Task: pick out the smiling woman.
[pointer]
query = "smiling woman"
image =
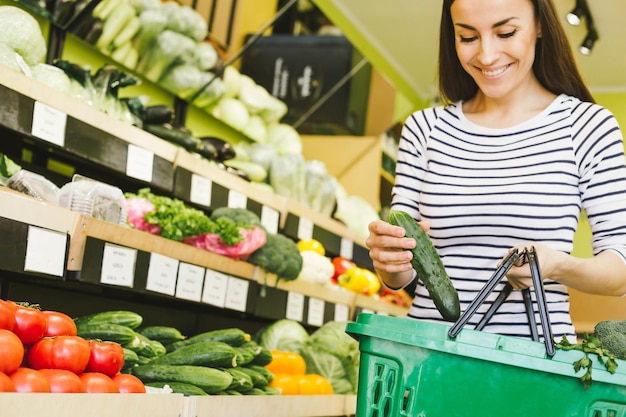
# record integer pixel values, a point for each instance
(508, 162)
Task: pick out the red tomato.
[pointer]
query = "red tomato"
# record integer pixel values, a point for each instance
(58, 324)
(30, 324)
(7, 315)
(6, 384)
(96, 382)
(30, 380)
(129, 384)
(62, 381)
(61, 352)
(105, 357)
(11, 352)
(341, 265)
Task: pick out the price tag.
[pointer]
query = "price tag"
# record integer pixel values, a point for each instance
(237, 199)
(305, 229)
(45, 251)
(215, 286)
(347, 248)
(49, 124)
(118, 265)
(295, 306)
(342, 312)
(162, 274)
(139, 163)
(270, 218)
(201, 189)
(237, 294)
(315, 316)
(189, 282)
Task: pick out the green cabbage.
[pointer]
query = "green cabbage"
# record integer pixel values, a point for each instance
(285, 335)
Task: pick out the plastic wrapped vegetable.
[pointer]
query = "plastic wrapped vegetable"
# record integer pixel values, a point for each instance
(288, 176)
(285, 139)
(320, 188)
(8, 57)
(252, 239)
(168, 48)
(52, 76)
(21, 32)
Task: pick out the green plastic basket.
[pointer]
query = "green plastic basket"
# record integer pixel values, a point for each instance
(413, 368)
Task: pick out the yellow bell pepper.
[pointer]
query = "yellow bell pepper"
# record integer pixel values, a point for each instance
(360, 280)
(311, 244)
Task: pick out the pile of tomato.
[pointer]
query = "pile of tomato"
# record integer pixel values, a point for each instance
(40, 352)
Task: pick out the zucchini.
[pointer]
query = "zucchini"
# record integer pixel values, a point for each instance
(241, 380)
(232, 336)
(178, 387)
(183, 138)
(163, 334)
(214, 354)
(156, 114)
(210, 380)
(429, 268)
(109, 332)
(122, 317)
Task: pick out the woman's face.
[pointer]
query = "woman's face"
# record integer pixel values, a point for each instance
(495, 42)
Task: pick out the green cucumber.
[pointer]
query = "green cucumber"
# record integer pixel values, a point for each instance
(179, 387)
(163, 334)
(247, 352)
(146, 347)
(263, 357)
(258, 380)
(122, 317)
(130, 358)
(255, 391)
(429, 268)
(232, 336)
(108, 332)
(241, 380)
(267, 374)
(210, 380)
(271, 390)
(214, 354)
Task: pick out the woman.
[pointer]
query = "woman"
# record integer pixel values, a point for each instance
(510, 161)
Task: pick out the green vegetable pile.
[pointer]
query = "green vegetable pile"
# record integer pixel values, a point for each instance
(607, 343)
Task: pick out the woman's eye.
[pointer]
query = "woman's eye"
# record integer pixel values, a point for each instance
(464, 39)
(508, 35)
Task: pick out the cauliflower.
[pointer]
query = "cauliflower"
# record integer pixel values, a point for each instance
(316, 268)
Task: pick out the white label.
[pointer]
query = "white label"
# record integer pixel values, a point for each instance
(347, 248)
(305, 229)
(189, 282)
(367, 311)
(342, 312)
(215, 286)
(139, 163)
(295, 306)
(162, 274)
(237, 199)
(270, 218)
(315, 316)
(45, 251)
(118, 265)
(49, 124)
(237, 294)
(201, 189)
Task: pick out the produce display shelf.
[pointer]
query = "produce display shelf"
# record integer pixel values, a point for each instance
(92, 405)
(57, 123)
(302, 223)
(205, 184)
(174, 405)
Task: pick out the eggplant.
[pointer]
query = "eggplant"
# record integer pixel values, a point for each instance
(225, 150)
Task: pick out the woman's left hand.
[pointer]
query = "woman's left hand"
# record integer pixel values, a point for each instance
(520, 276)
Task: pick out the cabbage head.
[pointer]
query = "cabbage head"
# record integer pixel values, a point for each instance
(21, 32)
(285, 335)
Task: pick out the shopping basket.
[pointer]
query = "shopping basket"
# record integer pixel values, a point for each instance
(416, 368)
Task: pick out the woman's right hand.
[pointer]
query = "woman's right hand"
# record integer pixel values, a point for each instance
(389, 249)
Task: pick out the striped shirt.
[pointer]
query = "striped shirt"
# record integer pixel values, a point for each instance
(486, 190)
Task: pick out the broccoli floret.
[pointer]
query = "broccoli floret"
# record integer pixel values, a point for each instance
(612, 336)
(237, 214)
(280, 255)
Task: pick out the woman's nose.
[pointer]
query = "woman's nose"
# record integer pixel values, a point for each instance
(488, 53)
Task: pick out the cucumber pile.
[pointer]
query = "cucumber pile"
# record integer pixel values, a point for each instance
(217, 362)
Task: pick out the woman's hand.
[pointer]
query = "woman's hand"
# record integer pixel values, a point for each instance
(548, 259)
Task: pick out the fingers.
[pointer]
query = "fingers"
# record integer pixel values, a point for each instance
(389, 249)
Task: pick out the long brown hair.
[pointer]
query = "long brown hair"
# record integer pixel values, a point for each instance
(554, 66)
